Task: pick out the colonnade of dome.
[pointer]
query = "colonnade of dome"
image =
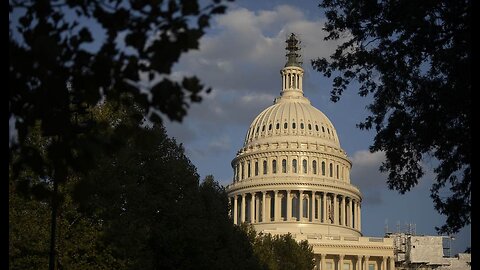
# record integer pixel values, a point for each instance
(291, 170)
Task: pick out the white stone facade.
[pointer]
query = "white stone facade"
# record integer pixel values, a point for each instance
(292, 176)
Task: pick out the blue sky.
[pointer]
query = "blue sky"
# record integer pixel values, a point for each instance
(240, 58)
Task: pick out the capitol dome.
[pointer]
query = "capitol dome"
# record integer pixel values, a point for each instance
(291, 173)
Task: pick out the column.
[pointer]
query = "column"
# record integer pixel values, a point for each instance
(300, 206)
(301, 82)
(289, 206)
(317, 263)
(313, 209)
(344, 216)
(335, 209)
(358, 263)
(365, 263)
(384, 263)
(242, 211)
(349, 223)
(319, 217)
(340, 261)
(359, 216)
(252, 208)
(324, 208)
(322, 262)
(354, 215)
(257, 209)
(264, 213)
(276, 215)
(392, 263)
(235, 209)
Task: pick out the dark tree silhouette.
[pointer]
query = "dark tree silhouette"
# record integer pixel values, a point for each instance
(65, 56)
(414, 58)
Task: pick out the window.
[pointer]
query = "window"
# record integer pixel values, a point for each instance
(264, 167)
(294, 166)
(328, 131)
(316, 127)
(329, 266)
(323, 129)
(248, 172)
(346, 266)
(284, 166)
(302, 126)
(331, 170)
(323, 167)
(371, 266)
(274, 166)
(304, 163)
(270, 127)
(278, 125)
(337, 171)
(263, 128)
(293, 125)
(285, 126)
(310, 126)
(314, 166)
(256, 168)
(258, 129)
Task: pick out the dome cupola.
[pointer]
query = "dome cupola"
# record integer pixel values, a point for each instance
(291, 173)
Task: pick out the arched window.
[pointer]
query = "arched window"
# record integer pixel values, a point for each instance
(295, 207)
(270, 127)
(328, 131)
(274, 166)
(314, 166)
(304, 166)
(264, 167)
(310, 126)
(248, 169)
(305, 208)
(257, 129)
(284, 166)
(323, 129)
(294, 166)
(256, 168)
(263, 128)
(337, 171)
(316, 127)
(302, 126)
(278, 125)
(285, 126)
(331, 170)
(293, 125)
(323, 167)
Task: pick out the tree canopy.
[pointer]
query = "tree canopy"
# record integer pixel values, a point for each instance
(66, 56)
(415, 59)
(280, 252)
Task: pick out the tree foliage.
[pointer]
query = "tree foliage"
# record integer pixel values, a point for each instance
(280, 252)
(140, 207)
(66, 56)
(154, 212)
(414, 58)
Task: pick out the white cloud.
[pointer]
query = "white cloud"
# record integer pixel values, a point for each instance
(367, 177)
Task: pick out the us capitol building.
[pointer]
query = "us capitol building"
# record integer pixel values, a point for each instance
(292, 176)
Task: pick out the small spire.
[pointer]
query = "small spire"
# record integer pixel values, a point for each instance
(292, 48)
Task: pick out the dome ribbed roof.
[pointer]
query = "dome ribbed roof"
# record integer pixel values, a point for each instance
(292, 116)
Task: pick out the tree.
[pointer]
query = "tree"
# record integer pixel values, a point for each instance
(280, 252)
(414, 58)
(155, 215)
(61, 66)
(80, 243)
